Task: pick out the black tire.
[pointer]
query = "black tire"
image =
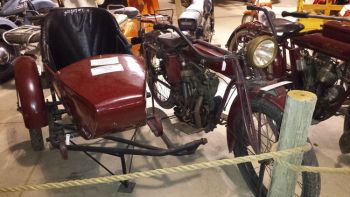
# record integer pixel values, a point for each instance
(36, 139)
(157, 83)
(310, 181)
(6, 69)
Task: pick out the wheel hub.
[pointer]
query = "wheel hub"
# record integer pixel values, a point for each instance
(4, 56)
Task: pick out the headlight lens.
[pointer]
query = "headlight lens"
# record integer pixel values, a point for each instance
(261, 51)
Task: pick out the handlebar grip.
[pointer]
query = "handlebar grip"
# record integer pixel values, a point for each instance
(252, 7)
(295, 14)
(161, 26)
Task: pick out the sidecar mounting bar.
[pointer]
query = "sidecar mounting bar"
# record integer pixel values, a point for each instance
(186, 149)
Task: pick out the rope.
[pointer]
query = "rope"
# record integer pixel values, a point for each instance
(157, 172)
(313, 169)
(185, 168)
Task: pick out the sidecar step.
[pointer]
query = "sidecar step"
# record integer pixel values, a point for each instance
(186, 149)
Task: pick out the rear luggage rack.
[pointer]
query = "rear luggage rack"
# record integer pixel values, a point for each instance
(22, 35)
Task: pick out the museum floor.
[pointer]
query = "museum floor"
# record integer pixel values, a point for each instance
(20, 165)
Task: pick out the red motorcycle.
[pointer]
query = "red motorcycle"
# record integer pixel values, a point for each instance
(100, 88)
(318, 60)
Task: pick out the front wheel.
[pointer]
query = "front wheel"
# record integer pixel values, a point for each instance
(157, 80)
(36, 139)
(267, 119)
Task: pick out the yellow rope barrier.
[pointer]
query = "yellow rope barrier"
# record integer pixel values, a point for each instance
(186, 168)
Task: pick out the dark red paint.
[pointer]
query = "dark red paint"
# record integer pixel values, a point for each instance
(104, 103)
(30, 92)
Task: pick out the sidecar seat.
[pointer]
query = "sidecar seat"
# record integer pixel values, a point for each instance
(69, 35)
(98, 103)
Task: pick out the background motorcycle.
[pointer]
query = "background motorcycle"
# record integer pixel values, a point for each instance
(15, 13)
(180, 76)
(318, 61)
(253, 15)
(198, 20)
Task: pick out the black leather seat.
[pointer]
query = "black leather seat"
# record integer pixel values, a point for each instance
(69, 35)
(285, 26)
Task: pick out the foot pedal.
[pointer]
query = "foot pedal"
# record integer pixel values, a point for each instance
(155, 124)
(126, 187)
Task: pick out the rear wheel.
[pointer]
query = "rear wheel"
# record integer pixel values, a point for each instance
(157, 80)
(36, 139)
(267, 120)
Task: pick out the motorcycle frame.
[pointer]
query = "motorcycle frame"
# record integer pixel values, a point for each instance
(280, 67)
(241, 103)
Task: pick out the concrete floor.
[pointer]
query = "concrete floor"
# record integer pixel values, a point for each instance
(20, 165)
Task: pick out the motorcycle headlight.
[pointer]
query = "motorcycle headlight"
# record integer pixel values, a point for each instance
(261, 51)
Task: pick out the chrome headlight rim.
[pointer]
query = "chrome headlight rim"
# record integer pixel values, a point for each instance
(253, 46)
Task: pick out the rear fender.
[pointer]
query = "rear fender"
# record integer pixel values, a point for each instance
(30, 93)
(276, 96)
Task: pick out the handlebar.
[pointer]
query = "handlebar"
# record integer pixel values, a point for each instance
(266, 12)
(163, 27)
(295, 14)
(38, 17)
(307, 15)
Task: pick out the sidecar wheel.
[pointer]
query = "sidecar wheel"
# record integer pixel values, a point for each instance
(7, 55)
(309, 183)
(36, 139)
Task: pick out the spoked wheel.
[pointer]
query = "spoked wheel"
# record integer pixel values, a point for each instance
(157, 82)
(238, 44)
(7, 55)
(36, 139)
(267, 120)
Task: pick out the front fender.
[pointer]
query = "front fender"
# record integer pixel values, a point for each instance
(42, 4)
(277, 97)
(30, 92)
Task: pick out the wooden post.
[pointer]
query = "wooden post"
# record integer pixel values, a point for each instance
(296, 121)
(178, 8)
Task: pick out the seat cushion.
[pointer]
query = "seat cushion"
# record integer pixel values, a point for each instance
(107, 102)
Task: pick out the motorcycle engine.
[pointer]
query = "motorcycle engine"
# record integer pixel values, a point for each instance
(327, 78)
(196, 103)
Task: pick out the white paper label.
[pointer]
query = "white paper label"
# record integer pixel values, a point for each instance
(104, 61)
(67, 139)
(223, 67)
(273, 86)
(106, 69)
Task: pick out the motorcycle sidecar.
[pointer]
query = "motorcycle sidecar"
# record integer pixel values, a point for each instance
(100, 85)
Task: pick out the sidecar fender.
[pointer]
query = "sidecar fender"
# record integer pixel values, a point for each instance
(30, 92)
(277, 98)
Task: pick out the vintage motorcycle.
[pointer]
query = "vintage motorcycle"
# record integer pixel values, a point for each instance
(253, 15)
(198, 20)
(318, 60)
(15, 13)
(100, 87)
